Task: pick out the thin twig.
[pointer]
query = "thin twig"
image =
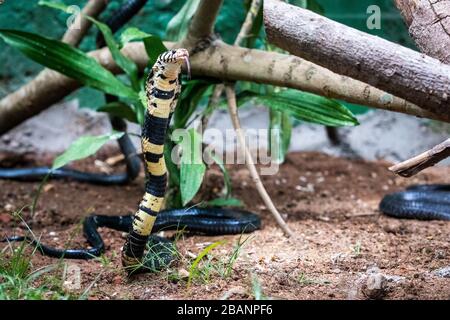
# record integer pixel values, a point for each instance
(232, 106)
(429, 158)
(248, 22)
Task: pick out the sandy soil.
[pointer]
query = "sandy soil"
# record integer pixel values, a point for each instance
(344, 247)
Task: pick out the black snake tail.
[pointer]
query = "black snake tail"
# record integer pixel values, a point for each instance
(162, 87)
(132, 161)
(125, 13)
(211, 221)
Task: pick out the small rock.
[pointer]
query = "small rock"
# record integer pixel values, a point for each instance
(117, 280)
(374, 286)
(9, 207)
(183, 273)
(48, 187)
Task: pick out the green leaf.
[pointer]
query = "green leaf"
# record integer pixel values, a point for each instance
(154, 47)
(178, 26)
(141, 107)
(67, 60)
(305, 106)
(55, 5)
(119, 109)
(225, 202)
(153, 44)
(174, 172)
(191, 94)
(123, 62)
(132, 34)
(226, 176)
(192, 168)
(84, 147)
(280, 134)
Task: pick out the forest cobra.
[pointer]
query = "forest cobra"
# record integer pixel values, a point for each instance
(163, 88)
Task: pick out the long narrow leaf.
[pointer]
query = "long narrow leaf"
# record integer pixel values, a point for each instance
(305, 106)
(280, 134)
(192, 168)
(123, 62)
(67, 60)
(177, 27)
(153, 44)
(84, 147)
(199, 258)
(128, 66)
(119, 109)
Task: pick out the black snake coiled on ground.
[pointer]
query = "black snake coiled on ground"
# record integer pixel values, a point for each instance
(424, 202)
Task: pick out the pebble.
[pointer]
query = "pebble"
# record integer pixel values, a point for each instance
(9, 207)
(375, 285)
(183, 273)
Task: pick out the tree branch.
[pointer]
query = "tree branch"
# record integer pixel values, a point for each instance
(93, 8)
(219, 61)
(424, 160)
(244, 32)
(232, 107)
(383, 64)
(202, 24)
(429, 25)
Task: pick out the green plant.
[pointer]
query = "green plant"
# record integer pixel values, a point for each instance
(19, 279)
(257, 290)
(356, 249)
(207, 265)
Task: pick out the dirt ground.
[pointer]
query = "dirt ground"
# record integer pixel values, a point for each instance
(343, 243)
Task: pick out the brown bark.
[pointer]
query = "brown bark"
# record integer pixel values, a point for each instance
(422, 161)
(93, 8)
(220, 61)
(429, 25)
(344, 50)
(202, 24)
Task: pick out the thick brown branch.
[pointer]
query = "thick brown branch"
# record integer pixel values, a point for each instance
(429, 25)
(220, 61)
(424, 160)
(202, 24)
(383, 64)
